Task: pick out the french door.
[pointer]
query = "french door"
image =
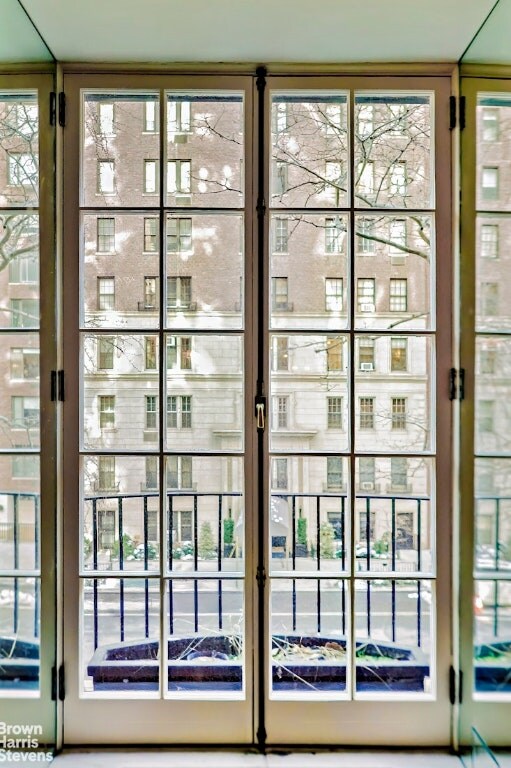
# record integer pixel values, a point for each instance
(257, 429)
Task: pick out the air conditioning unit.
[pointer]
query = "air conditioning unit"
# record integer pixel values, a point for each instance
(367, 307)
(367, 366)
(367, 486)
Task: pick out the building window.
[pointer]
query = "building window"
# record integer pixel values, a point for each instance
(280, 235)
(106, 293)
(489, 293)
(366, 473)
(334, 412)
(26, 118)
(397, 237)
(280, 182)
(398, 118)
(398, 354)
(333, 116)
(24, 313)
(490, 126)
(150, 292)
(279, 479)
(25, 412)
(490, 183)
(366, 412)
(179, 412)
(24, 269)
(280, 353)
(280, 412)
(151, 117)
(490, 241)
(150, 234)
(334, 473)
(365, 294)
(398, 295)
(151, 411)
(366, 354)
(179, 116)
(24, 363)
(398, 413)
(26, 467)
(365, 185)
(106, 118)
(333, 354)
(179, 472)
(179, 235)
(106, 473)
(151, 352)
(106, 408)
(179, 177)
(106, 353)
(333, 294)
(485, 415)
(397, 179)
(280, 116)
(106, 177)
(334, 235)
(106, 528)
(21, 170)
(333, 177)
(398, 473)
(365, 122)
(150, 177)
(105, 242)
(279, 293)
(179, 292)
(365, 235)
(151, 473)
(183, 526)
(487, 361)
(179, 352)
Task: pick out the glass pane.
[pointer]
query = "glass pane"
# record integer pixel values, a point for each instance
(393, 150)
(120, 520)
(493, 237)
(309, 150)
(204, 392)
(205, 635)
(205, 513)
(394, 514)
(120, 268)
(204, 271)
(393, 272)
(482, 756)
(492, 649)
(20, 409)
(19, 260)
(493, 144)
(205, 150)
(309, 516)
(120, 158)
(309, 393)
(119, 643)
(117, 412)
(20, 612)
(19, 512)
(19, 149)
(493, 358)
(309, 282)
(395, 416)
(309, 621)
(393, 624)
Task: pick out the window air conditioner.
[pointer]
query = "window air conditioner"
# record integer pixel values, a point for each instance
(366, 366)
(367, 486)
(367, 307)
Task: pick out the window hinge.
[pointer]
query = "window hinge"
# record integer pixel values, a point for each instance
(57, 391)
(53, 108)
(62, 109)
(456, 112)
(260, 412)
(455, 686)
(260, 576)
(58, 688)
(456, 384)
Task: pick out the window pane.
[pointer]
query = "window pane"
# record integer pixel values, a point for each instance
(19, 238)
(19, 150)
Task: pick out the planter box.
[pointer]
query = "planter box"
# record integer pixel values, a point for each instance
(199, 663)
(19, 663)
(493, 667)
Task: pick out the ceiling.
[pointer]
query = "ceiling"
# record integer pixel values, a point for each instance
(261, 31)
